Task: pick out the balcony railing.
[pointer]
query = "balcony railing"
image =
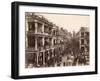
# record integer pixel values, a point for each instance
(30, 49)
(40, 48)
(46, 47)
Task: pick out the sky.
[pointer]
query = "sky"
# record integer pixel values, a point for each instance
(71, 22)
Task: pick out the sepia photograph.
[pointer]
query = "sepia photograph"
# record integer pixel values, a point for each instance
(56, 40)
(50, 40)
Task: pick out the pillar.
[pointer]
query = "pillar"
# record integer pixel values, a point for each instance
(43, 58)
(37, 54)
(43, 27)
(26, 30)
(43, 52)
(36, 26)
(52, 42)
(35, 43)
(26, 42)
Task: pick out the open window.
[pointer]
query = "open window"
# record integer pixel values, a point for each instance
(39, 29)
(31, 26)
(31, 42)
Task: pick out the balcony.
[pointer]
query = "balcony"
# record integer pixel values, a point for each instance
(38, 34)
(30, 49)
(46, 47)
(41, 48)
(30, 32)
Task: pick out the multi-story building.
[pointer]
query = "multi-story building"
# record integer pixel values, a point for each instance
(43, 42)
(84, 42)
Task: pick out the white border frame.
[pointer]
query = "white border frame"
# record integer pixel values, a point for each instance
(38, 71)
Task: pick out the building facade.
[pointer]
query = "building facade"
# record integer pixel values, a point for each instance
(44, 44)
(84, 43)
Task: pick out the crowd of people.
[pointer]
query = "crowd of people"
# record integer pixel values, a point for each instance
(73, 59)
